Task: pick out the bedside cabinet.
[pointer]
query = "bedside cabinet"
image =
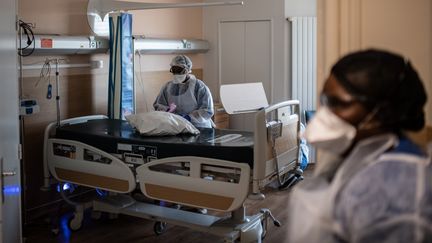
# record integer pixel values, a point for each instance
(220, 118)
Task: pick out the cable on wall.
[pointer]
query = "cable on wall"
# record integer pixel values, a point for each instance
(27, 29)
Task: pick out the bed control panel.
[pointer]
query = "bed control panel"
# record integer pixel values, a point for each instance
(64, 150)
(95, 157)
(137, 154)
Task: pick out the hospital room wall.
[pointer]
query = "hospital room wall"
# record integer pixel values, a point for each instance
(274, 11)
(272, 60)
(253, 10)
(68, 17)
(83, 91)
(396, 25)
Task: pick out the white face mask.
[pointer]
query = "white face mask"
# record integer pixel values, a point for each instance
(178, 78)
(329, 132)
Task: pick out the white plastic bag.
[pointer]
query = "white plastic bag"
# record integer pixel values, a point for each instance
(160, 123)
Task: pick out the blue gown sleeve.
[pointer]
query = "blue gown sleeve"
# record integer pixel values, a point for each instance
(161, 102)
(204, 110)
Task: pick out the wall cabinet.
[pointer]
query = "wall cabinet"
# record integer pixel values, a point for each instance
(245, 57)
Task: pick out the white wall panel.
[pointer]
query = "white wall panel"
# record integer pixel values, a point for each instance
(232, 52)
(258, 63)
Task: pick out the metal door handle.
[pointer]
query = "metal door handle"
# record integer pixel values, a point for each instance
(2, 176)
(9, 173)
(5, 173)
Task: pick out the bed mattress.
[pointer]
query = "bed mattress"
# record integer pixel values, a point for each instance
(117, 136)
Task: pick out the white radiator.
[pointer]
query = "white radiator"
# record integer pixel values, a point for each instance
(303, 39)
(304, 59)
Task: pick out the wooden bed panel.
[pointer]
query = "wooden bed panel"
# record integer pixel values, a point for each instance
(205, 200)
(96, 181)
(286, 142)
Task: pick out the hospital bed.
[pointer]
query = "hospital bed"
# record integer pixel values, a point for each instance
(213, 170)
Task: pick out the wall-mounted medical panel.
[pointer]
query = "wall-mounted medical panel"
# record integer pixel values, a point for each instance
(170, 46)
(61, 45)
(64, 45)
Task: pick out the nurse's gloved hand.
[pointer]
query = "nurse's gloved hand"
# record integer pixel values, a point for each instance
(172, 107)
(186, 116)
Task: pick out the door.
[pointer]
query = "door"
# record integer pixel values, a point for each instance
(10, 221)
(245, 57)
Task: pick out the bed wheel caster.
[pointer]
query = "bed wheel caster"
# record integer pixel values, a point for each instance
(159, 227)
(75, 223)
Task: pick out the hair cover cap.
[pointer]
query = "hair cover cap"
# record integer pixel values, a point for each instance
(182, 61)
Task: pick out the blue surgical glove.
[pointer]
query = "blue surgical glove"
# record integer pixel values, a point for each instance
(186, 116)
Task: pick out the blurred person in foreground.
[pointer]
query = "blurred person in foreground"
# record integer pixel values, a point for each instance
(372, 183)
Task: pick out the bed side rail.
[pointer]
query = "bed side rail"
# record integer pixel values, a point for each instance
(82, 164)
(50, 132)
(196, 181)
(276, 142)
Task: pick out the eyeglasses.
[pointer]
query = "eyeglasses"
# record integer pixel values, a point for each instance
(177, 70)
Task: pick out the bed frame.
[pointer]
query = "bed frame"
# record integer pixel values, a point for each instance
(195, 181)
